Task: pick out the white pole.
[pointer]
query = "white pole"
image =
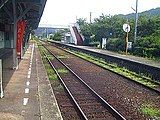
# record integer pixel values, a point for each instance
(1, 90)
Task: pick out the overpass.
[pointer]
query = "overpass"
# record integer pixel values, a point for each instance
(53, 26)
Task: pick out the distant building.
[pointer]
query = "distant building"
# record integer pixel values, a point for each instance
(67, 38)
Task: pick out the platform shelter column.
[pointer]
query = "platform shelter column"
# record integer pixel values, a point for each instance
(1, 87)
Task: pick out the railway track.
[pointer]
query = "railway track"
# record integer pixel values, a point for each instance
(127, 97)
(90, 105)
(155, 89)
(132, 65)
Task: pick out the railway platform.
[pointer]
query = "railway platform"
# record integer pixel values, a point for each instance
(143, 66)
(27, 91)
(128, 57)
(122, 56)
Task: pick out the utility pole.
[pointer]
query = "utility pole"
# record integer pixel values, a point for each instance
(90, 18)
(136, 21)
(76, 19)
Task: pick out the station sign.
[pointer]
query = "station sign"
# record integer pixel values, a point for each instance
(126, 27)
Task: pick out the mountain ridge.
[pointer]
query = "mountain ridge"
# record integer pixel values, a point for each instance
(150, 13)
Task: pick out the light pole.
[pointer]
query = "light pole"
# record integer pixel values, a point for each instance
(136, 22)
(90, 17)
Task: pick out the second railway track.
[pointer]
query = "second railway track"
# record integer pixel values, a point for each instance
(91, 105)
(127, 97)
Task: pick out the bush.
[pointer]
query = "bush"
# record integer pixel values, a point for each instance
(94, 44)
(148, 46)
(147, 52)
(115, 44)
(57, 37)
(148, 42)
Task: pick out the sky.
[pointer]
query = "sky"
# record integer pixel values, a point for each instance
(65, 12)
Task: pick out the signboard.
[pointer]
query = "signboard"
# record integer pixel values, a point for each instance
(129, 45)
(126, 27)
(104, 40)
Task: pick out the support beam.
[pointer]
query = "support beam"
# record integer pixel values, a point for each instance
(1, 86)
(8, 13)
(15, 59)
(4, 2)
(30, 1)
(24, 13)
(20, 8)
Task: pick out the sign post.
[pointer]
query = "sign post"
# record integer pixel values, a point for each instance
(126, 28)
(1, 88)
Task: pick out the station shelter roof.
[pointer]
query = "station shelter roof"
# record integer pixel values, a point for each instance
(28, 10)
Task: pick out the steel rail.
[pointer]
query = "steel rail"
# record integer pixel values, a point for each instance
(66, 88)
(138, 83)
(111, 109)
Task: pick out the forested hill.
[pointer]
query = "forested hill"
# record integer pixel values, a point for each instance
(149, 13)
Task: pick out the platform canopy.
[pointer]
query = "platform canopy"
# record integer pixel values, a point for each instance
(28, 10)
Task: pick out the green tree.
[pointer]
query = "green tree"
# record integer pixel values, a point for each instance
(57, 36)
(81, 21)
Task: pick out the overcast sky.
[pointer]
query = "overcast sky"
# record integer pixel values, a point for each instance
(64, 12)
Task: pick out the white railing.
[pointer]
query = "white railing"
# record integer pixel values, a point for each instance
(73, 35)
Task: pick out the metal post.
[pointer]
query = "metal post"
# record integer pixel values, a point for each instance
(136, 21)
(1, 86)
(126, 44)
(15, 59)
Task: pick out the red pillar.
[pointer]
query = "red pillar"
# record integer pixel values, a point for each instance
(20, 31)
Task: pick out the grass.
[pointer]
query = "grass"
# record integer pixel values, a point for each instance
(50, 72)
(61, 56)
(113, 67)
(59, 88)
(157, 59)
(150, 110)
(52, 77)
(50, 57)
(62, 70)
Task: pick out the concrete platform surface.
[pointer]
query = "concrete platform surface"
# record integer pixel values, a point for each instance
(127, 57)
(28, 94)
